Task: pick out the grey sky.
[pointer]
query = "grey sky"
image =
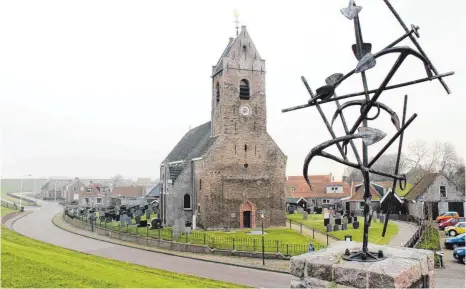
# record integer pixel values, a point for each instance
(92, 88)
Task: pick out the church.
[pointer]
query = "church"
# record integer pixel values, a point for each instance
(224, 173)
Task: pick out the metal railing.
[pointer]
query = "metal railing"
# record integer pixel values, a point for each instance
(251, 244)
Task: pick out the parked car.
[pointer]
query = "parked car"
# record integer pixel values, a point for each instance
(457, 229)
(450, 222)
(459, 253)
(455, 242)
(447, 215)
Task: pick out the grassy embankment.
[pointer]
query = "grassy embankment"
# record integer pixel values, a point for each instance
(30, 263)
(6, 210)
(316, 221)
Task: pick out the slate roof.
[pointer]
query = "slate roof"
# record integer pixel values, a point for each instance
(420, 187)
(194, 143)
(155, 192)
(294, 200)
(133, 191)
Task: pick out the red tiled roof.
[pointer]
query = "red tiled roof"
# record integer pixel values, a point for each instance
(319, 184)
(133, 191)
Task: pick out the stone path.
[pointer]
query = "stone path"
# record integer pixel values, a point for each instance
(38, 225)
(322, 238)
(405, 232)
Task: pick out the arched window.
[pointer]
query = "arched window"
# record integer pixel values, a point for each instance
(217, 92)
(187, 201)
(244, 89)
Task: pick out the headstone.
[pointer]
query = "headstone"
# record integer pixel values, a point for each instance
(123, 219)
(129, 221)
(156, 224)
(338, 221)
(326, 221)
(325, 211)
(344, 226)
(349, 219)
(355, 219)
(332, 219)
(138, 219)
(138, 213)
(117, 218)
(142, 223)
(290, 210)
(338, 215)
(148, 213)
(355, 225)
(329, 228)
(300, 210)
(382, 218)
(305, 215)
(344, 221)
(187, 230)
(336, 227)
(374, 216)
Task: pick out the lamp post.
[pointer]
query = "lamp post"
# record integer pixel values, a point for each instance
(21, 194)
(262, 212)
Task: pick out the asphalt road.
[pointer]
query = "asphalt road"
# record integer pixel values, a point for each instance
(38, 225)
(453, 275)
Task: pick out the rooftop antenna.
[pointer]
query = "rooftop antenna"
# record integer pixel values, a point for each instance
(236, 21)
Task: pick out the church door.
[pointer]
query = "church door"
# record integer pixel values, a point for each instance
(247, 219)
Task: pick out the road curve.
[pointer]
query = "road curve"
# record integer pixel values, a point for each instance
(38, 225)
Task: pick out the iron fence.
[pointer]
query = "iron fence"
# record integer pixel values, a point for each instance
(12, 206)
(250, 244)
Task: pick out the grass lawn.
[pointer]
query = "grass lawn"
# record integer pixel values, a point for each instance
(401, 192)
(30, 263)
(375, 231)
(6, 210)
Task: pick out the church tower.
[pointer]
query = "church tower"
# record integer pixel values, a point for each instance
(238, 89)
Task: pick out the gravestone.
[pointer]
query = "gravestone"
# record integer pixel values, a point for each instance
(325, 211)
(326, 221)
(355, 225)
(142, 223)
(128, 221)
(355, 219)
(123, 219)
(382, 218)
(138, 219)
(329, 228)
(187, 230)
(290, 210)
(338, 221)
(305, 215)
(332, 219)
(138, 213)
(156, 224)
(300, 210)
(336, 227)
(374, 216)
(344, 226)
(117, 218)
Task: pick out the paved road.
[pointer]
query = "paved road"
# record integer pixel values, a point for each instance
(453, 275)
(38, 225)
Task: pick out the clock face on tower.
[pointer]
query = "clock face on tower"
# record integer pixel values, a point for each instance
(245, 110)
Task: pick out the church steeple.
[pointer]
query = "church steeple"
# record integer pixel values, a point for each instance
(238, 88)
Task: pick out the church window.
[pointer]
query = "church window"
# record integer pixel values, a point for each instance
(255, 150)
(244, 48)
(245, 148)
(235, 149)
(217, 93)
(200, 184)
(244, 89)
(246, 166)
(187, 201)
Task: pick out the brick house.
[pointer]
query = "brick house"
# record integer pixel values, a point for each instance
(325, 191)
(437, 190)
(223, 172)
(72, 190)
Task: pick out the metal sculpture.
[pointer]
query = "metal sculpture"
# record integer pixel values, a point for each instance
(325, 94)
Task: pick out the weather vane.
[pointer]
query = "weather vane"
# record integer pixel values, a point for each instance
(360, 129)
(236, 20)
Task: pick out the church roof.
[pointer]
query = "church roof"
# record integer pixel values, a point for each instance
(219, 66)
(194, 143)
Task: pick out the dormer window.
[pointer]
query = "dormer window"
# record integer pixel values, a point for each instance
(217, 93)
(244, 89)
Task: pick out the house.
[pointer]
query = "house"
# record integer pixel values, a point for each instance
(154, 193)
(296, 203)
(325, 191)
(72, 190)
(435, 192)
(223, 173)
(143, 182)
(356, 201)
(53, 189)
(131, 195)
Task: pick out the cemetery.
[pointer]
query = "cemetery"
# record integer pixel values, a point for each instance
(142, 221)
(339, 225)
(25, 260)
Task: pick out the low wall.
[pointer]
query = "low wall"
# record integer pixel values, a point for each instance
(169, 245)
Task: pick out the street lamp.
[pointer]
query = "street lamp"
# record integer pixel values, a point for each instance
(21, 194)
(262, 212)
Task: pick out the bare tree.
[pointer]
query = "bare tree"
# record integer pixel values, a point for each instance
(116, 180)
(417, 152)
(352, 175)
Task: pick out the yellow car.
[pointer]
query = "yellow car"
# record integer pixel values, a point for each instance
(455, 230)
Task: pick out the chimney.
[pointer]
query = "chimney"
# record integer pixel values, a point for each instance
(344, 178)
(331, 177)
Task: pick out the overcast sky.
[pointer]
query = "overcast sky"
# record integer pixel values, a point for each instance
(95, 88)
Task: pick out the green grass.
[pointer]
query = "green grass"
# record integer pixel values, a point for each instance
(316, 221)
(430, 240)
(6, 211)
(30, 263)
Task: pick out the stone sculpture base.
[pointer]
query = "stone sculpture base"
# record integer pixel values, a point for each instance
(403, 268)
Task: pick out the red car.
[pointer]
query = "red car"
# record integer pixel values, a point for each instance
(450, 222)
